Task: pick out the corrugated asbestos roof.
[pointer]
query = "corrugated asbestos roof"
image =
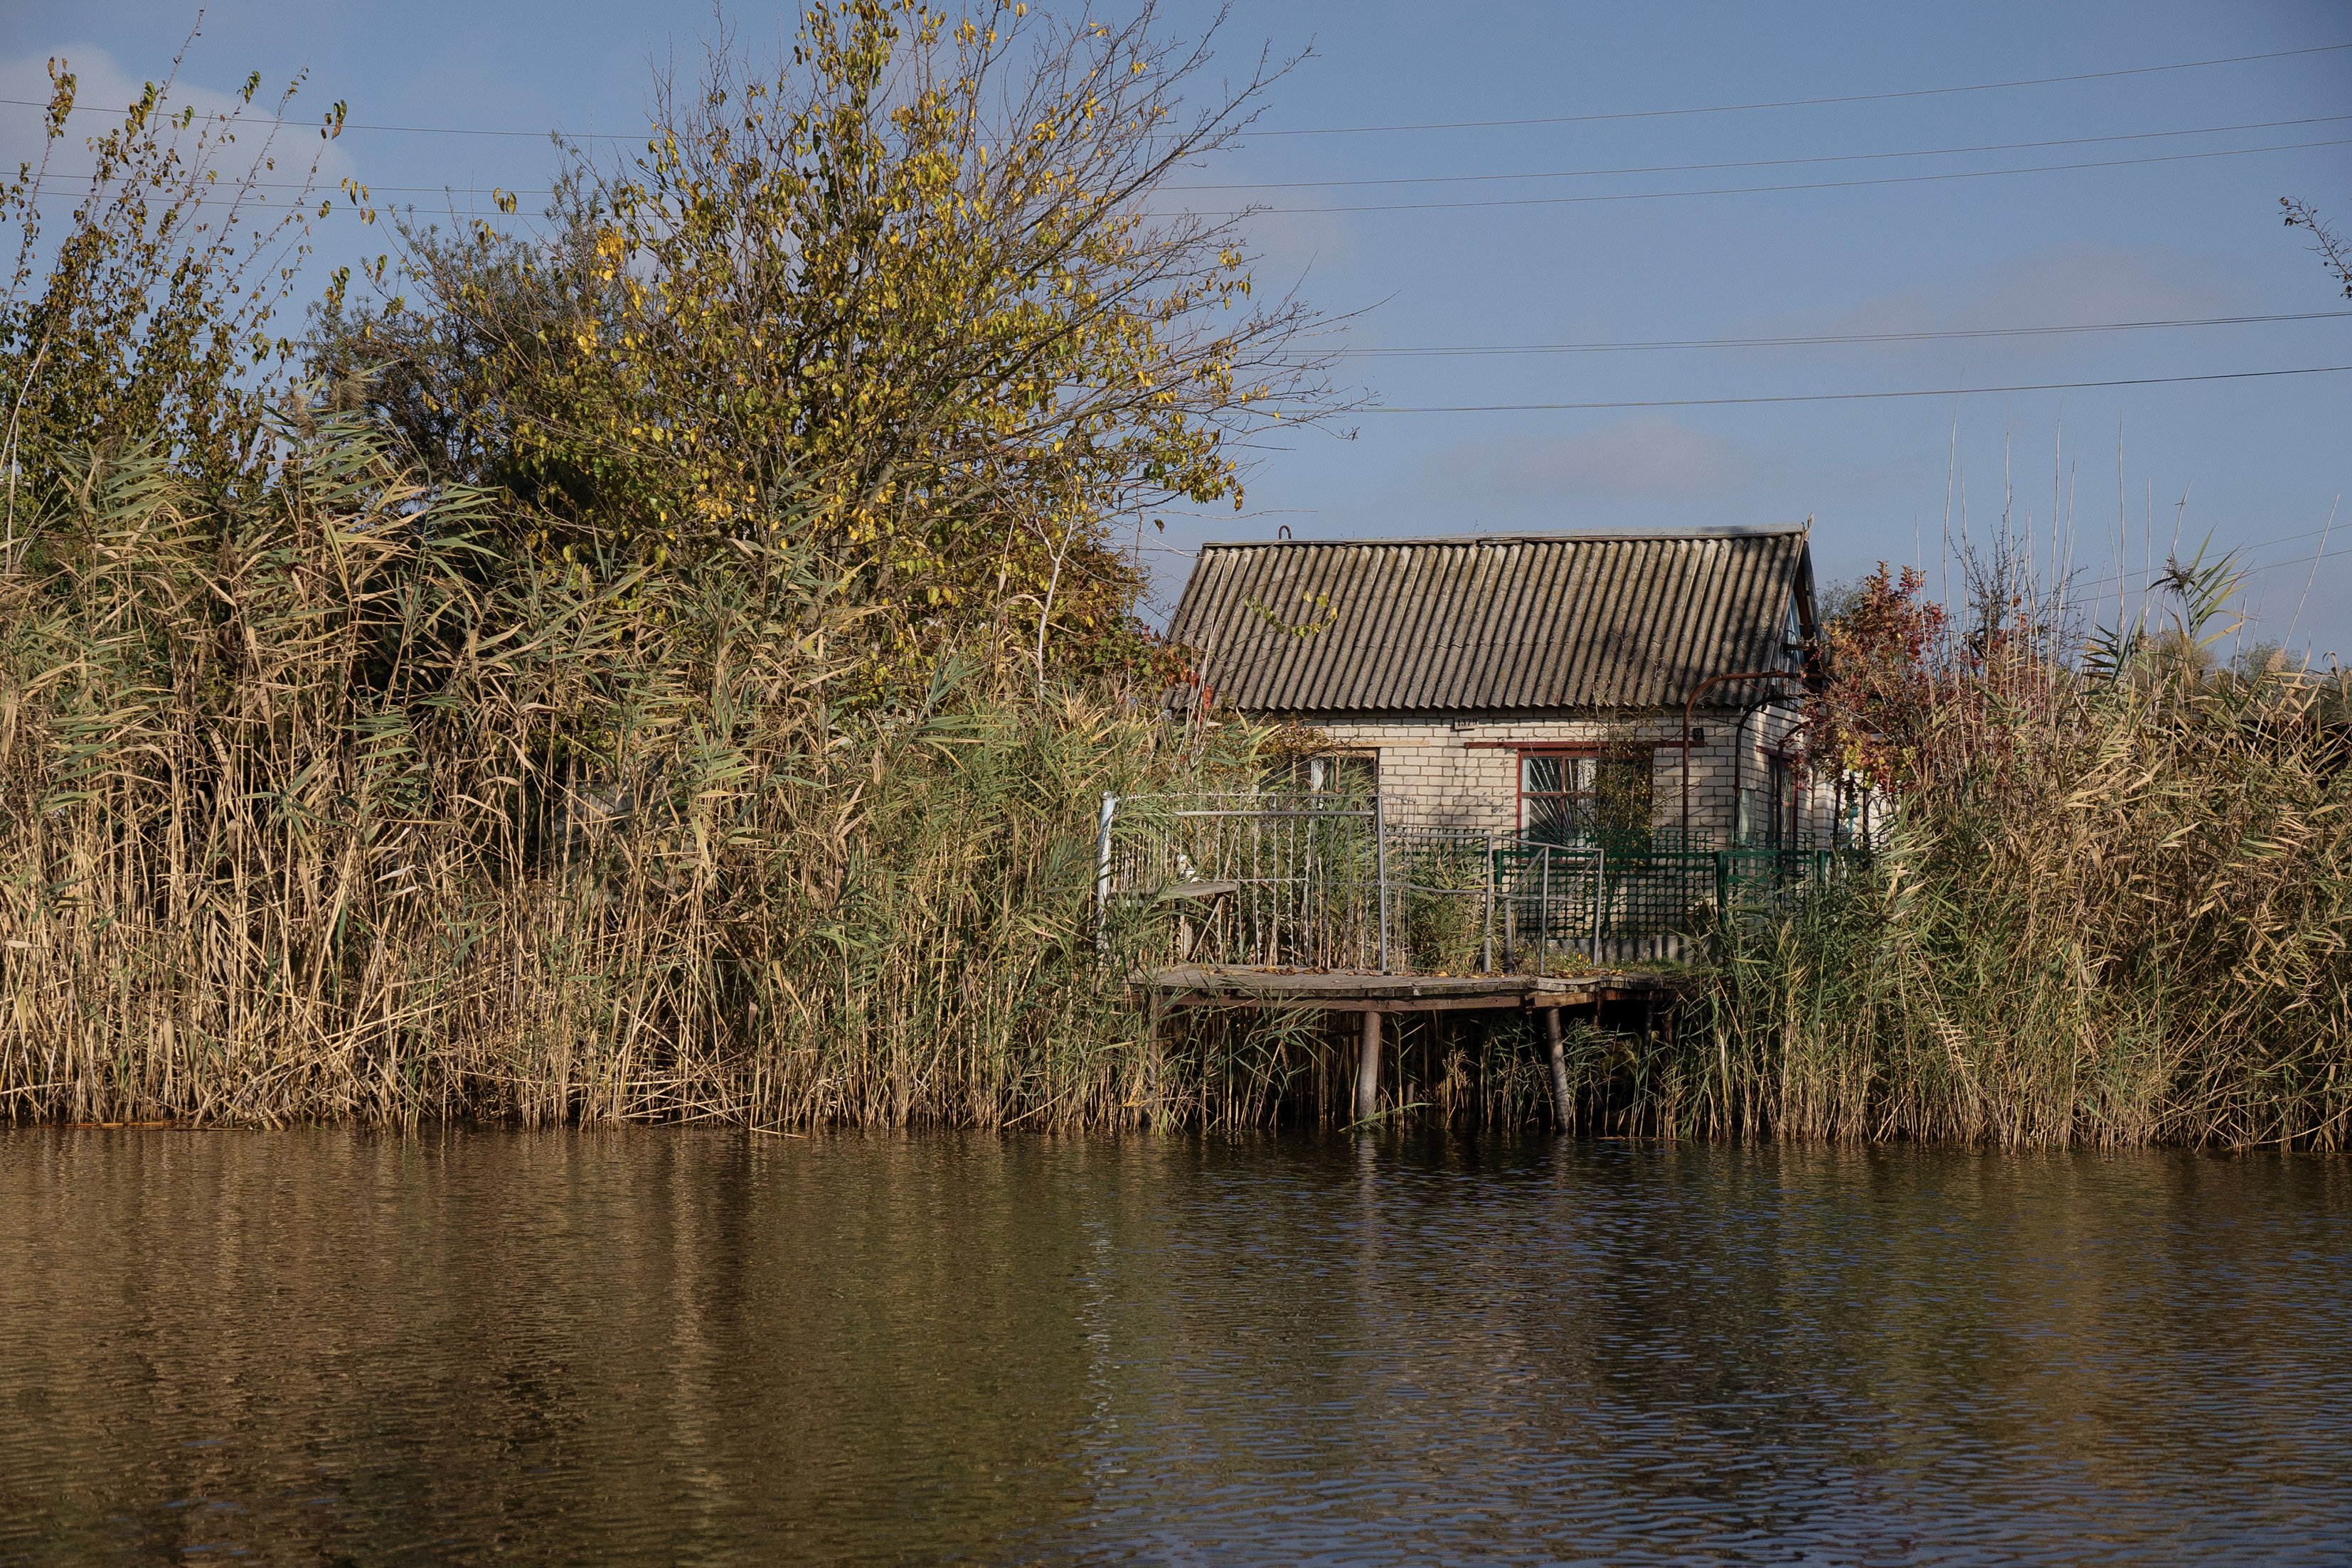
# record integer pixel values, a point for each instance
(1492, 624)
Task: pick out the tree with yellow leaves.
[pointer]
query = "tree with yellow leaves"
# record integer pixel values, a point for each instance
(919, 296)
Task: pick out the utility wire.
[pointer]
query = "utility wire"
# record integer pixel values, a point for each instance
(1768, 162)
(1656, 195)
(1848, 397)
(364, 125)
(1435, 125)
(1769, 190)
(1805, 102)
(1592, 174)
(2131, 578)
(1470, 349)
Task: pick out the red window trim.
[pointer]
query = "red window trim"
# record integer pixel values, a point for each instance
(1585, 748)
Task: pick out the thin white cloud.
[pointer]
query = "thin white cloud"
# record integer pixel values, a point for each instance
(103, 91)
(1645, 458)
(2077, 281)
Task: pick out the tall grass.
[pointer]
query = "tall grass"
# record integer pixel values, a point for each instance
(329, 807)
(2137, 933)
(2114, 908)
(329, 811)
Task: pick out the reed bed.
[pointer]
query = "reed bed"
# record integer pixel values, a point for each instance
(333, 811)
(333, 806)
(2110, 911)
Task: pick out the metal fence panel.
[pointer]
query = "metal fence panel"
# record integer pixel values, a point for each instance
(1322, 880)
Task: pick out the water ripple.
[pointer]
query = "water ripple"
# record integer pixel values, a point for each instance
(656, 1346)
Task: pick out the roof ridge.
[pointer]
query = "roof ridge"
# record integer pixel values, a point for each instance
(1596, 536)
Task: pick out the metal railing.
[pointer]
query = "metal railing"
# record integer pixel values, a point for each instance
(1260, 879)
(1325, 881)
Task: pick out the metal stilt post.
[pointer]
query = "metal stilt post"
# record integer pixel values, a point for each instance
(1102, 875)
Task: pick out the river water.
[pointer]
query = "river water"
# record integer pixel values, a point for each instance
(658, 1346)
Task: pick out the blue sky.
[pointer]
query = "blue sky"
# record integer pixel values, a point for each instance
(2261, 461)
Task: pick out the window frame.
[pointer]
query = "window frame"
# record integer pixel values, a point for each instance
(1597, 753)
(1568, 757)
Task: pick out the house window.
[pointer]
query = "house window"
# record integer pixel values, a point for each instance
(1580, 797)
(1768, 810)
(1345, 772)
(1780, 778)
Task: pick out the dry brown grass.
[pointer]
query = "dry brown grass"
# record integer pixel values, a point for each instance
(323, 813)
(2114, 912)
(327, 810)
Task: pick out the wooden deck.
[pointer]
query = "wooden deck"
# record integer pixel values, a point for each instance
(1376, 996)
(1215, 986)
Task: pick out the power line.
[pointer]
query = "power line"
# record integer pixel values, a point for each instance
(1805, 102)
(2099, 594)
(1578, 174)
(1677, 196)
(1827, 339)
(1773, 190)
(1435, 125)
(1850, 397)
(2298, 560)
(2126, 578)
(1766, 162)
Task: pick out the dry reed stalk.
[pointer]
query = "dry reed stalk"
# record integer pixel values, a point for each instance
(2112, 913)
(321, 813)
(322, 808)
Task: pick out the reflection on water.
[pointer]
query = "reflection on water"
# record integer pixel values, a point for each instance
(660, 1346)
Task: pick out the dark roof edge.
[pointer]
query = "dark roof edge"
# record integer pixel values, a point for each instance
(1597, 536)
(1463, 717)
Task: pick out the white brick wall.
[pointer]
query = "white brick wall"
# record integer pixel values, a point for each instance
(1466, 775)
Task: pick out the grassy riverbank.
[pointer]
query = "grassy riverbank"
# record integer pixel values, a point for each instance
(317, 815)
(666, 667)
(327, 810)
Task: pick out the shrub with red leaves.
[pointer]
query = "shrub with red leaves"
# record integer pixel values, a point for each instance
(1875, 708)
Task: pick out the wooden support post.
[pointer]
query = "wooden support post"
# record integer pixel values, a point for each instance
(1559, 1101)
(1368, 1068)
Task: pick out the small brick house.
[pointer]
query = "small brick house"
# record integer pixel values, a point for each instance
(1540, 684)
